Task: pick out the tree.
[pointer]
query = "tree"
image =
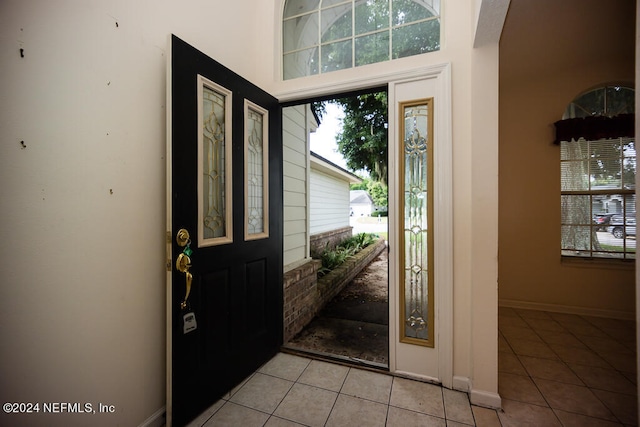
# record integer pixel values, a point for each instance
(378, 192)
(363, 140)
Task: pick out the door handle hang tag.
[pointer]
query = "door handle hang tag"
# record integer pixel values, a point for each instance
(189, 322)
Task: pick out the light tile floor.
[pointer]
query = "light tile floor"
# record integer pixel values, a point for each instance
(566, 370)
(554, 370)
(291, 390)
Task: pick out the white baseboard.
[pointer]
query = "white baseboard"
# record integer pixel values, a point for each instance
(157, 419)
(461, 384)
(485, 399)
(569, 309)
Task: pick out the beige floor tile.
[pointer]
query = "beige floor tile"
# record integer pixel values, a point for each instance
(457, 424)
(547, 369)
(568, 319)
(579, 355)
(532, 348)
(307, 405)
(457, 407)
(569, 419)
(511, 321)
(236, 388)
(253, 395)
(351, 411)
(519, 414)
(503, 346)
(533, 314)
(287, 366)
(485, 417)
(573, 398)
(399, 417)
(564, 338)
(325, 375)
(280, 422)
(235, 415)
(519, 388)
(204, 417)
(510, 363)
(519, 333)
(507, 311)
(539, 325)
(607, 345)
(585, 330)
(368, 385)
(609, 323)
(417, 396)
(623, 406)
(622, 334)
(604, 379)
(624, 362)
(631, 376)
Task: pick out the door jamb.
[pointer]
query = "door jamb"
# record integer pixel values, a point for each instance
(444, 230)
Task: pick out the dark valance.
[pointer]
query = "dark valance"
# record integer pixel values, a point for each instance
(595, 127)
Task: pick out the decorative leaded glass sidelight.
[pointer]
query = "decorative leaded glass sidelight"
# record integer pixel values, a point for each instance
(256, 157)
(416, 224)
(214, 164)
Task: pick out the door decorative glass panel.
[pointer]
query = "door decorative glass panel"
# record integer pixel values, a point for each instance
(416, 225)
(256, 155)
(214, 164)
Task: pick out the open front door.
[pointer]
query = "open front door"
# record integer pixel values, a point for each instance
(224, 238)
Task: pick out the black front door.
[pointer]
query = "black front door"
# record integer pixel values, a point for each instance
(225, 186)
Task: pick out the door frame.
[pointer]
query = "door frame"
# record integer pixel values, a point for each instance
(443, 177)
(440, 74)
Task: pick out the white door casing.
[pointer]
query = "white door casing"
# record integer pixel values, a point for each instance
(431, 364)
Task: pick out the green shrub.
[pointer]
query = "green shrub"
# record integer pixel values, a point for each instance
(333, 258)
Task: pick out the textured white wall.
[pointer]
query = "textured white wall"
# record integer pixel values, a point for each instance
(83, 197)
(83, 200)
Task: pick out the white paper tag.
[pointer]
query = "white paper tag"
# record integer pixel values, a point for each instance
(189, 322)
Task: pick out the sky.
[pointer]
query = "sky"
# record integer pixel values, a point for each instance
(323, 141)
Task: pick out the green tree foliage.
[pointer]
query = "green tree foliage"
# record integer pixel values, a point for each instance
(415, 29)
(363, 140)
(378, 191)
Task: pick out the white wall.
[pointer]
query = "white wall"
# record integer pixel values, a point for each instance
(296, 183)
(474, 175)
(83, 200)
(329, 202)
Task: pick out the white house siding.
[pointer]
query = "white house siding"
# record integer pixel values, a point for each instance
(295, 147)
(329, 202)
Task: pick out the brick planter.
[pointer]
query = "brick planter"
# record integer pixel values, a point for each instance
(305, 294)
(332, 283)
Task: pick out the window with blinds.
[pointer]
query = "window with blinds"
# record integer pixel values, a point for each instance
(598, 175)
(598, 198)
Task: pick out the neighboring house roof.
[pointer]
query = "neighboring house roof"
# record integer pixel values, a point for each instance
(360, 197)
(321, 164)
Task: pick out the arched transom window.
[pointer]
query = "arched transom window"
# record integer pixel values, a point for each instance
(320, 36)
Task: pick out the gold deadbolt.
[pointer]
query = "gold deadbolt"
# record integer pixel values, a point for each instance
(182, 238)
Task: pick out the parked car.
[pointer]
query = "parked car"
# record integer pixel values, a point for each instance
(621, 226)
(602, 221)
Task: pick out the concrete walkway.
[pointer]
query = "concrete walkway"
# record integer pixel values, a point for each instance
(354, 326)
